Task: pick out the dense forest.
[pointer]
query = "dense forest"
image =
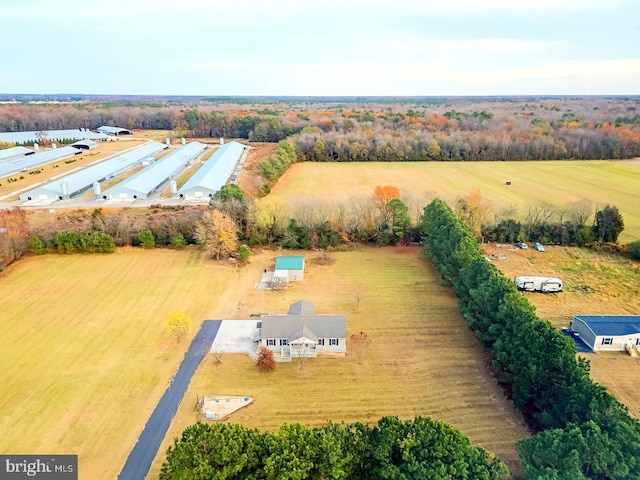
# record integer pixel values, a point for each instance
(419, 448)
(583, 431)
(453, 129)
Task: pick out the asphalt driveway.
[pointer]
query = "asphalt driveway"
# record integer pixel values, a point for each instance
(141, 456)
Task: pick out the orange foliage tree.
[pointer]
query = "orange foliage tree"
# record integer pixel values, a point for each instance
(265, 361)
(14, 234)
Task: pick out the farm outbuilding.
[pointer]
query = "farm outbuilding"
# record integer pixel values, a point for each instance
(78, 182)
(303, 333)
(14, 152)
(608, 332)
(26, 163)
(214, 174)
(146, 181)
(85, 144)
(293, 265)
(107, 130)
(50, 135)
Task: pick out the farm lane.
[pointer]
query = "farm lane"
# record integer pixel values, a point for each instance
(141, 456)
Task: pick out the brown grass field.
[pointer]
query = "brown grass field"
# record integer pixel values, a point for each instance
(422, 359)
(595, 284)
(83, 352)
(85, 358)
(556, 182)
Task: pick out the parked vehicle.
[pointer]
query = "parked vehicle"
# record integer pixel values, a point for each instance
(539, 284)
(522, 245)
(538, 246)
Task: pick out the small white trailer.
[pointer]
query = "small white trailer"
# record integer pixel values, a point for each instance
(539, 284)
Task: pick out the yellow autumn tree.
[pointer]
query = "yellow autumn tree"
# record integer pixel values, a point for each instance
(217, 234)
(178, 325)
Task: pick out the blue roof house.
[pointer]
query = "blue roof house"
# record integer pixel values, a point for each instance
(617, 333)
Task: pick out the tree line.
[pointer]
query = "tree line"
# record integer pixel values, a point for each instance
(420, 448)
(402, 131)
(582, 430)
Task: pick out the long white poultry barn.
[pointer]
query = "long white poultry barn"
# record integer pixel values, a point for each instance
(215, 172)
(146, 181)
(78, 182)
(14, 152)
(51, 135)
(26, 163)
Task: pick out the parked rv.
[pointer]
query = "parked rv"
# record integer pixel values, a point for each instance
(539, 284)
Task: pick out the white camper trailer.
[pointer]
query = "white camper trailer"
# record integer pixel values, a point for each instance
(539, 284)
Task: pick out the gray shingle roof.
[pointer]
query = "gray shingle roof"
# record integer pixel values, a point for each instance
(322, 326)
(302, 307)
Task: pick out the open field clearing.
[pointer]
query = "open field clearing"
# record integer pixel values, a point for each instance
(422, 359)
(555, 182)
(594, 284)
(83, 352)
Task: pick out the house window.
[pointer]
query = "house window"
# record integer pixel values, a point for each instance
(333, 341)
(271, 342)
(283, 342)
(607, 341)
(321, 341)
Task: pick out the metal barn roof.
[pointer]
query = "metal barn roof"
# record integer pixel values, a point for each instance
(113, 130)
(23, 164)
(14, 152)
(78, 182)
(215, 172)
(613, 325)
(85, 144)
(149, 179)
(290, 262)
(26, 137)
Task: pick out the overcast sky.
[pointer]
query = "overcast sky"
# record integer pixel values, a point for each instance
(320, 47)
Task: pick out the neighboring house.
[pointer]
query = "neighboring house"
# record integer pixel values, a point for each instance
(608, 332)
(293, 265)
(303, 333)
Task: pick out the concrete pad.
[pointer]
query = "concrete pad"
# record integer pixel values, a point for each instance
(220, 407)
(236, 336)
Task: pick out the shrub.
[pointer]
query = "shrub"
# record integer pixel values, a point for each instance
(633, 249)
(265, 361)
(244, 252)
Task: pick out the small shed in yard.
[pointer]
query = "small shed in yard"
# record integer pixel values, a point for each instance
(280, 279)
(616, 333)
(303, 333)
(293, 265)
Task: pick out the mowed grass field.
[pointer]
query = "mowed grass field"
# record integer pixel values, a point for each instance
(422, 359)
(83, 349)
(555, 182)
(594, 284)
